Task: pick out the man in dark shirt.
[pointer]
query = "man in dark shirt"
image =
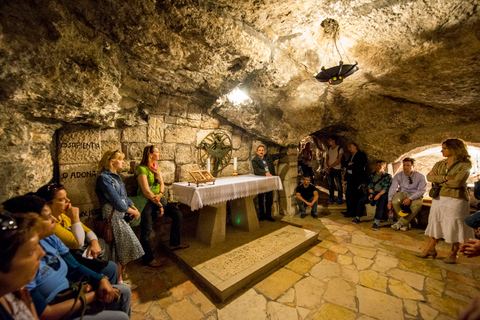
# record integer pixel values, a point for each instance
(307, 195)
(262, 165)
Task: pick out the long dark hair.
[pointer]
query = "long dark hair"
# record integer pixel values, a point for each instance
(49, 191)
(146, 152)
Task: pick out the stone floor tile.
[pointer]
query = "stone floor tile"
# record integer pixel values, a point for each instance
(335, 239)
(341, 233)
(184, 310)
(330, 311)
(374, 280)
(300, 266)
(278, 311)
(202, 302)
(426, 312)
(326, 269)
(349, 228)
(461, 278)
(384, 262)
(363, 252)
(404, 291)
(445, 317)
(250, 305)
(343, 259)
(411, 306)
(338, 249)
(462, 289)
(362, 263)
(137, 316)
(156, 312)
(309, 292)
(455, 268)
(303, 312)
(416, 267)
(288, 297)
(311, 257)
(433, 286)
(446, 305)
(390, 308)
(457, 296)
(330, 255)
(183, 290)
(277, 283)
(173, 276)
(410, 278)
(325, 244)
(141, 307)
(340, 292)
(350, 274)
(364, 317)
(317, 250)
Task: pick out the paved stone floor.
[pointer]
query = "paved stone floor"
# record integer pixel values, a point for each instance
(352, 273)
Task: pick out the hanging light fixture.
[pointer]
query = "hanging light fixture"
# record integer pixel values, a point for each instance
(334, 75)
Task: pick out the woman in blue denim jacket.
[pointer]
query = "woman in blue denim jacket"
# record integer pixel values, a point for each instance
(112, 195)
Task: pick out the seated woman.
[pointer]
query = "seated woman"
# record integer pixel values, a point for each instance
(73, 233)
(21, 256)
(113, 197)
(58, 267)
(150, 200)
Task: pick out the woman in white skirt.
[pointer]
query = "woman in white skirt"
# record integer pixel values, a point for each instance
(449, 210)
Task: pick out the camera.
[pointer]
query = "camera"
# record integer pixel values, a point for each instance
(127, 217)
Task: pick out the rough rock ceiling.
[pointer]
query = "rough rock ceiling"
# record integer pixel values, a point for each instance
(112, 62)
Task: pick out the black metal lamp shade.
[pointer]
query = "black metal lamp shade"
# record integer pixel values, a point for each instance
(335, 75)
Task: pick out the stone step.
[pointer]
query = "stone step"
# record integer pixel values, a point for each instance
(226, 274)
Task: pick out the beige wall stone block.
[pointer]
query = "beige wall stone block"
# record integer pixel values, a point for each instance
(38, 135)
(374, 280)
(209, 122)
(249, 305)
(194, 112)
(171, 120)
(180, 134)
(244, 167)
(189, 122)
(184, 169)
(155, 129)
(242, 154)
(135, 134)
(379, 305)
(330, 311)
(341, 293)
(178, 108)
(110, 135)
(79, 181)
(184, 154)
(79, 146)
(167, 168)
(184, 310)
(277, 283)
(89, 212)
(403, 291)
(309, 292)
(237, 138)
(135, 151)
(110, 145)
(201, 134)
(167, 151)
(278, 311)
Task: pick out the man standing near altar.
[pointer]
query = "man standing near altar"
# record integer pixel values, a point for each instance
(263, 165)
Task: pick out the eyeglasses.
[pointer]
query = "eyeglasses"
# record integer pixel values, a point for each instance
(410, 180)
(7, 222)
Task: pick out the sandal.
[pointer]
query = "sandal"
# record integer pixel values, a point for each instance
(154, 264)
(180, 246)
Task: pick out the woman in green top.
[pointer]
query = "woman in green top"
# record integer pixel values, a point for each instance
(152, 188)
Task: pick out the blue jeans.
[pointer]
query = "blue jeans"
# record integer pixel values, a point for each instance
(302, 207)
(380, 206)
(335, 177)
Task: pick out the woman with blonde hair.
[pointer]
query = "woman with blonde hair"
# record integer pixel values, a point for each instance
(150, 200)
(112, 195)
(451, 207)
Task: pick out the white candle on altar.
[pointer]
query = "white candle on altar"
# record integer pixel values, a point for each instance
(235, 164)
(208, 164)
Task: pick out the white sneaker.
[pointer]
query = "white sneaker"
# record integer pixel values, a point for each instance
(132, 286)
(405, 228)
(396, 226)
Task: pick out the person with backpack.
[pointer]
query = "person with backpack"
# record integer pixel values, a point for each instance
(333, 166)
(377, 194)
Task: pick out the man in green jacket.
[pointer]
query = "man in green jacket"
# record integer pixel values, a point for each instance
(263, 166)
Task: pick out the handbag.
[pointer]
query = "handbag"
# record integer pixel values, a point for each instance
(104, 229)
(95, 264)
(435, 190)
(77, 292)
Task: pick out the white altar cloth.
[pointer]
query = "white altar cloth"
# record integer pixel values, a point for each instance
(224, 189)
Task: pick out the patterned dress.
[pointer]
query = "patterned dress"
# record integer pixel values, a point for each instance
(111, 193)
